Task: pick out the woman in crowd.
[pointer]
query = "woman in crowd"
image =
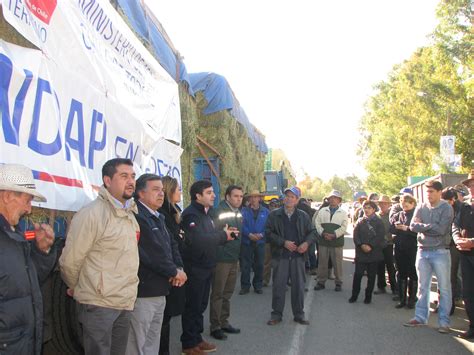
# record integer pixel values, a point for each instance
(369, 239)
(175, 300)
(405, 252)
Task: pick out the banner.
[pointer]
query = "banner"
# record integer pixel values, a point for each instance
(90, 38)
(62, 127)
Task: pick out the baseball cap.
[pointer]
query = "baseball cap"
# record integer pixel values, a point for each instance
(296, 191)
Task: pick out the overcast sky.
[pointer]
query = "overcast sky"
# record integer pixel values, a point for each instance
(302, 70)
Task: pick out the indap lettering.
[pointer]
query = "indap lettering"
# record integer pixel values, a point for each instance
(11, 123)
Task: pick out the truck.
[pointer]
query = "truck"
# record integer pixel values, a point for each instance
(419, 191)
(274, 183)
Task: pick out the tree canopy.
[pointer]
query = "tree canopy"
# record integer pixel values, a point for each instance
(427, 96)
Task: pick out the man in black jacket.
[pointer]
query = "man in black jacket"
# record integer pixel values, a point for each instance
(463, 235)
(24, 264)
(160, 267)
(201, 240)
(290, 233)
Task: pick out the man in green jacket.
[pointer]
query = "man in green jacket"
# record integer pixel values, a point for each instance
(225, 275)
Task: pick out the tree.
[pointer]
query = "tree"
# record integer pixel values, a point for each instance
(423, 98)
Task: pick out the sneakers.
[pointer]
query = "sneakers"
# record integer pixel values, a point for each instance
(206, 347)
(338, 288)
(319, 287)
(413, 323)
(444, 330)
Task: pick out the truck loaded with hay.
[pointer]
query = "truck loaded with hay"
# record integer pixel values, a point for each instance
(84, 82)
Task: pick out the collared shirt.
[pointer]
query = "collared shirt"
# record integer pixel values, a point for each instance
(153, 212)
(289, 213)
(232, 208)
(333, 210)
(120, 204)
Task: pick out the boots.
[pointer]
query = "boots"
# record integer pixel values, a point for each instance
(412, 290)
(402, 292)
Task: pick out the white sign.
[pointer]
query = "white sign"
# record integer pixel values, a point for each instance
(63, 128)
(90, 39)
(447, 146)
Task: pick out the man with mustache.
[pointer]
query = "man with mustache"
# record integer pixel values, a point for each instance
(24, 264)
(160, 267)
(99, 263)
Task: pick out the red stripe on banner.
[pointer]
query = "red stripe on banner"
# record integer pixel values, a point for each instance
(60, 180)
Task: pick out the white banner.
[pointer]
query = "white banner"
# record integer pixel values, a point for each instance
(55, 122)
(90, 38)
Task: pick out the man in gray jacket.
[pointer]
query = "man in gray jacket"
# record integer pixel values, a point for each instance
(432, 221)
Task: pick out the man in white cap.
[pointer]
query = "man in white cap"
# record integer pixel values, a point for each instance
(331, 224)
(290, 233)
(26, 260)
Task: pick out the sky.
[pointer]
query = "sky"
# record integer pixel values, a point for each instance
(301, 69)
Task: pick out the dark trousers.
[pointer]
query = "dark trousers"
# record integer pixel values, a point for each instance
(467, 270)
(252, 256)
(405, 259)
(455, 282)
(105, 330)
(165, 335)
(285, 269)
(198, 287)
(388, 263)
(371, 269)
(313, 261)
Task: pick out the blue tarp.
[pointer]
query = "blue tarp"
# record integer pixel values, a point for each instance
(219, 97)
(145, 28)
(216, 90)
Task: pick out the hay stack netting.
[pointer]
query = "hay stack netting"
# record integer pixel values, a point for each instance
(242, 163)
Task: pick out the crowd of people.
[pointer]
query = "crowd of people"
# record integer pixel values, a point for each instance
(133, 259)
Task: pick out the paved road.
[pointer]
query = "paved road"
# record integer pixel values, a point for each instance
(337, 327)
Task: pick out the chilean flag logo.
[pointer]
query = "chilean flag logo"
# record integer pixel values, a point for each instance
(42, 9)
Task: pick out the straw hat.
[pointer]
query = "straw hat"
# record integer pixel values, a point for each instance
(254, 193)
(384, 199)
(19, 178)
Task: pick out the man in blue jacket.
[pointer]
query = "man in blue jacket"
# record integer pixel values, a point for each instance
(253, 243)
(160, 267)
(201, 241)
(24, 264)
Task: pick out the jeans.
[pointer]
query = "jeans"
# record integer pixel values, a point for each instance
(439, 263)
(252, 257)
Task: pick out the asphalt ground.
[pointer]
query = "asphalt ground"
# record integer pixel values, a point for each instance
(337, 327)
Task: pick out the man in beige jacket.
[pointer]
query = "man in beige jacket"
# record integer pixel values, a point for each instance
(99, 263)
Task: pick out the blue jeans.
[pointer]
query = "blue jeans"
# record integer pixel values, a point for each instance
(252, 257)
(439, 263)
